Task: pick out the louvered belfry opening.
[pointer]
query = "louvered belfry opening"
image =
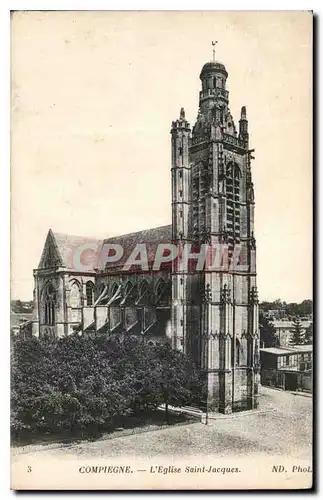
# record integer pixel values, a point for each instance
(233, 205)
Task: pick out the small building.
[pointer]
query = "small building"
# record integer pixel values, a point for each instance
(288, 368)
(275, 314)
(20, 323)
(284, 329)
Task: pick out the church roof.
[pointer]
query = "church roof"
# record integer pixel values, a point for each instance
(67, 244)
(83, 253)
(150, 237)
(64, 250)
(160, 233)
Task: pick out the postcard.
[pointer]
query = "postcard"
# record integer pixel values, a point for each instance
(161, 243)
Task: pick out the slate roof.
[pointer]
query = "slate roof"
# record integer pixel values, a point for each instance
(150, 237)
(71, 249)
(68, 245)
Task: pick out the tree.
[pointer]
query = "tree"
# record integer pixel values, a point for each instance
(268, 334)
(66, 384)
(265, 306)
(137, 367)
(158, 374)
(16, 306)
(19, 306)
(308, 336)
(82, 384)
(291, 310)
(297, 333)
(306, 307)
(178, 380)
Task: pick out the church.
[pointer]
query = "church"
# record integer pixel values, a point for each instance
(208, 311)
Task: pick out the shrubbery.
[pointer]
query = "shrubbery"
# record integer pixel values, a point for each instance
(79, 384)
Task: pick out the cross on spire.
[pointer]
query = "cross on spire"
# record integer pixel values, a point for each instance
(213, 45)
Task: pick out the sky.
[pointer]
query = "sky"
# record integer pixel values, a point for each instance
(93, 98)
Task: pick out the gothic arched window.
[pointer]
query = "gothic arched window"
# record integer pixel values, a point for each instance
(49, 300)
(99, 289)
(114, 289)
(130, 293)
(143, 292)
(115, 294)
(75, 295)
(89, 288)
(163, 292)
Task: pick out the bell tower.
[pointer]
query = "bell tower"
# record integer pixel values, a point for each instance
(221, 302)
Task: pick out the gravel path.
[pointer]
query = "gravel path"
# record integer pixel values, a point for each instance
(286, 429)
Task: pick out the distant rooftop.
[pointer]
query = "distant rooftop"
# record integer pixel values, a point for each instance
(280, 351)
(281, 323)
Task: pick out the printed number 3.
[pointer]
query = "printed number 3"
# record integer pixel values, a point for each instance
(29, 468)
